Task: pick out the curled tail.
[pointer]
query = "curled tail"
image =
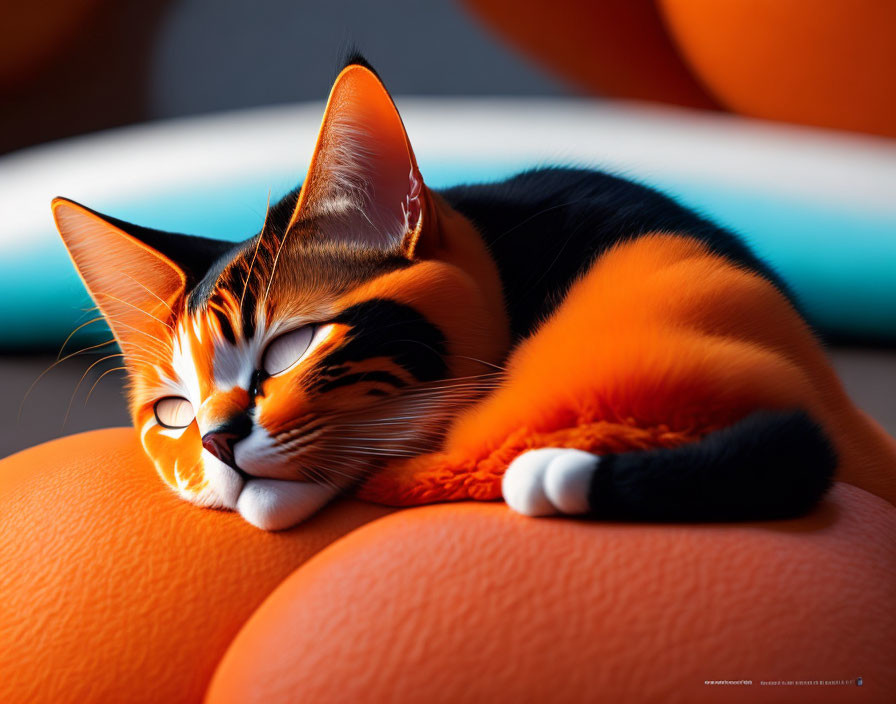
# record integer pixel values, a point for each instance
(771, 464)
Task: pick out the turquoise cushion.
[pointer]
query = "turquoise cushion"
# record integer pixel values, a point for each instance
(839, 257)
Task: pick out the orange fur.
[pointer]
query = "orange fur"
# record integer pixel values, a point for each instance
(658, 344)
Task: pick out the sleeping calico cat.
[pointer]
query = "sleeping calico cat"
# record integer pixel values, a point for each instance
(570, 340)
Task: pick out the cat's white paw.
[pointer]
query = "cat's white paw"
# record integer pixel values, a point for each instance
(549, 480)
(275, 504)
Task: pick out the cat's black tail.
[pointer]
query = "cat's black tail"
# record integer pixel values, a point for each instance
(769, 465)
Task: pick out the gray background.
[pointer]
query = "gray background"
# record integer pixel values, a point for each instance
(151, 59)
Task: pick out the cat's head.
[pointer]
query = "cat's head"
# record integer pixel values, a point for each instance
(346, 333)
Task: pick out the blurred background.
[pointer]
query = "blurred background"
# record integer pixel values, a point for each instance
(778, 119)
(101, 64)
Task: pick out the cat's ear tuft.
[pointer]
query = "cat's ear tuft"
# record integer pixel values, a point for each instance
(353, 56)
(363, 176)
(134, 285)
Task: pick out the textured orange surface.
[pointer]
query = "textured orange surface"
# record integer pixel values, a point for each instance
(115, 590)
(112, 589)
(610, 47)
(470, 602)
(827, 63)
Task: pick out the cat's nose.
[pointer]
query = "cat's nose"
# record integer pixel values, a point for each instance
(220, 445)
(221, 440)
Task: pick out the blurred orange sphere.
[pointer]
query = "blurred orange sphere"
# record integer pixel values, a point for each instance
(615, 47)
(829, 64)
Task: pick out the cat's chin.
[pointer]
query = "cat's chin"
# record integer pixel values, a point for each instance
(269, 504)
(276, 504)
(225, 482)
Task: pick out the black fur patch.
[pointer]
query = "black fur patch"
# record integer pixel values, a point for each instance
(771, 464)
(380, 377)
(204, 289)
(352, 56)
(332, 372)
(545, 227)
(384, 328)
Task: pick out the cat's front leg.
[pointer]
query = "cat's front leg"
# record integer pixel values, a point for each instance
(276, 504)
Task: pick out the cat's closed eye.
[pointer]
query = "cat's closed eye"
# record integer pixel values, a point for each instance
(174, 412)
(286, 350)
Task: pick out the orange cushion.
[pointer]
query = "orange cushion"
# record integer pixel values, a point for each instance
(824, 63)
(114, 590)
(470, 602)
(610, 47)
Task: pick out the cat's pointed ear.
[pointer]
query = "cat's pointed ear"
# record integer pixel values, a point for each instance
(363, 174)
(134, 285)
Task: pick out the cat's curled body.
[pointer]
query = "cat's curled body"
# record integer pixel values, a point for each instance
(575, 341)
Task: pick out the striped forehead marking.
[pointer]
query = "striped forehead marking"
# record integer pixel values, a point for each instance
(234, 362)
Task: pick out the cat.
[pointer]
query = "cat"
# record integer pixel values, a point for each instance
(575, 342)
